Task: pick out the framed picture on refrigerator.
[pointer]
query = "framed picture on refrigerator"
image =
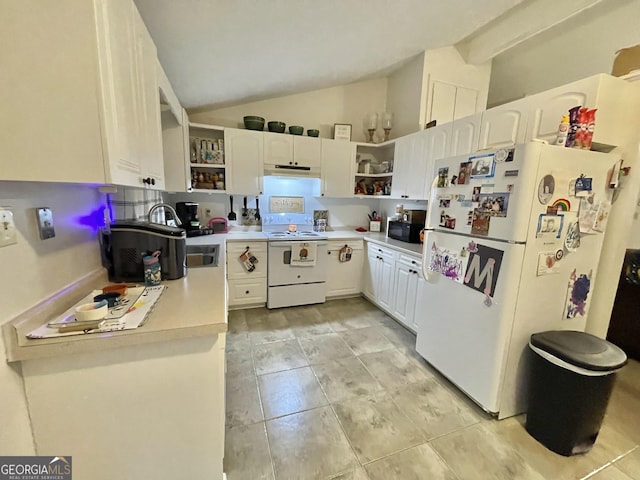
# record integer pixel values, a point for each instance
(483, 166)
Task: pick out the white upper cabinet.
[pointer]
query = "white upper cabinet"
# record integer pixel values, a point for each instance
(336, 167)
(410, 166)
(278, 148)
(504, 125)
(439, 141)
(94, 111)
(244, 158)
(464, 135)
(175, 150)
(307, 151)
(610, 95)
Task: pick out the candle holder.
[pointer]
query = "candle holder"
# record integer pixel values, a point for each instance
(387, 124)
(371, 123)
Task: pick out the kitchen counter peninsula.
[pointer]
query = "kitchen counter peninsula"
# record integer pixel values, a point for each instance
(142, 403)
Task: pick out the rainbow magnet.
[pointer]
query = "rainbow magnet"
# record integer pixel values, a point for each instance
(563, 204)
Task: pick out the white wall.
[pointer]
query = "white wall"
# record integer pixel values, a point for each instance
(580, 47)
(34, 269)
(404, 97)
(319, 109)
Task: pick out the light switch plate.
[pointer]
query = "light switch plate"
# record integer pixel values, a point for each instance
(8, 234)
(45, 223)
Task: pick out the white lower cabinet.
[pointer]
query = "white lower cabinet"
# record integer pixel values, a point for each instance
(407, 293)
(344, 277)
(378, 278)
(246, 288)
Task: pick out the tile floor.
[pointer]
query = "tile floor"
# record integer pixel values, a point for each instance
(337, 391)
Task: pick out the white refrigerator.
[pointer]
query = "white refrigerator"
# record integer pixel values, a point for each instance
(512, 247)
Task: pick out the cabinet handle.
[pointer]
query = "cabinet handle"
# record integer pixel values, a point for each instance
(295, 163)
(247, 292)
(328, 253)
(290, 163)
(413, 262)
(298, 276)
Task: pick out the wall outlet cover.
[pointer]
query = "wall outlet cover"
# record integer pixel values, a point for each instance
(45, 223)
(8, 234)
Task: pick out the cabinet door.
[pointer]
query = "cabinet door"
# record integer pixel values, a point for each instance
(384, 295)
(370, 275)
(401, 166)
(307, 151)
(547, 108)
(464, 135)
(421, 307)
(236, 269)
(245, 168)
(466, 101)
(119, 82)
(344, 278)
(337, 160)
(438, 142)
(443, 101)
(504, 126)
(149, 139)
(402, 297)
(175, 150)
(418, 167)
(278, 149)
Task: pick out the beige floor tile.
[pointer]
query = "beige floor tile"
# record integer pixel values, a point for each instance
(611, 473)
(325, 348)
(549, 464)
(622, 412)
(357, 474)
(416, 463)
(278, 356)
(393, 369)
(400, 337)
(303, 327)
(309, 445)
(433, 408)
(238, 342)
(269, 328)
(476, 449)
(246, 454)
(239, 363)
(237, 322)
(345, 378)
(290, 391)
(366, 340)
(376, 427)
(243, 403)
(630, 464)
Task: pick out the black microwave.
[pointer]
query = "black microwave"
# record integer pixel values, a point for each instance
(406, 232)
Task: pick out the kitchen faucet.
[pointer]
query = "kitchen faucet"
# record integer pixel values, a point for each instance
(166, 207)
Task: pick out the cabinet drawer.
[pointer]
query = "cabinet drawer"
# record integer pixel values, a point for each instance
(245, 292)
(336, 245)
(235, 267)
(410, 261)
(387, 253)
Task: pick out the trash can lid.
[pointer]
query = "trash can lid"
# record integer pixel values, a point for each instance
(580, 349)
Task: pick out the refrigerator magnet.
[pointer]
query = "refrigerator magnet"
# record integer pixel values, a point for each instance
(483, 269)
(546, 187)
(466, 204)
(469, 218)
(443, 177)
(460, 198)
(510, 188)
(483, 166)
(572, 239)
(547, 264)
(480, 223)
(464, 173)
(563, 204)
(577, 295)
(549, 226)
(475, 196)
(444, 203)
(583, 186)
(487, 187)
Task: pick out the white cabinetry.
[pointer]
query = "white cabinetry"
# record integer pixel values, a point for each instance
(378, 286)
(336, 167)
(438, 142)
(278, 149)
(408, 284)
(94, 111)
(504, 125)
(411, 165)
(603, 92)
(307, 151)
(244, 154)
(451, 102)
(175, 150)
(374, 168)
(208, 163)
(344, 278)
(464, 135)
(246, 288)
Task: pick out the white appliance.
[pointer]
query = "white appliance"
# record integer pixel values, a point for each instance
(296, 283)
(484, 305)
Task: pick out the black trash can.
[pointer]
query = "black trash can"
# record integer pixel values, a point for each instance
(572, 375)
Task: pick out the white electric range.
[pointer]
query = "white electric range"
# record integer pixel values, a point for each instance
(297, 266)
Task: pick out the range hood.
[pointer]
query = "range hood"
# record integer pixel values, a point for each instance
(291, 170)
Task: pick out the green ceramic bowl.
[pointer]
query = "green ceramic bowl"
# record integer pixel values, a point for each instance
(313, 133)
(253, 123)
(296, 130)
(276, 127)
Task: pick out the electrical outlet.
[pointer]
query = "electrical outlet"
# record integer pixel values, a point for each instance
(8, 234)
(45, 223)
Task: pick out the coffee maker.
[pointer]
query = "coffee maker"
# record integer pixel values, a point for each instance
(188, 213)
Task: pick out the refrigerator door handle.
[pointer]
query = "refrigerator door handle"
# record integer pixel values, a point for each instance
(432, 195)
(425, 257)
